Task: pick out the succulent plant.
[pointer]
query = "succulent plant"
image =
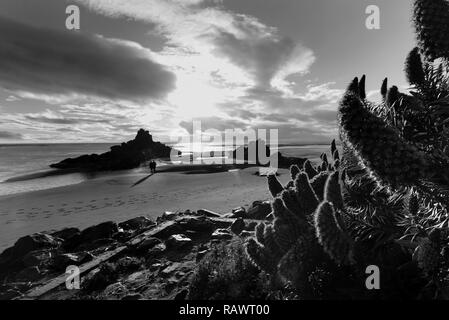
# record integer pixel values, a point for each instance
(384, 196)
(431, 20)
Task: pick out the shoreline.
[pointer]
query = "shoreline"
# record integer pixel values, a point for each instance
(114, 198)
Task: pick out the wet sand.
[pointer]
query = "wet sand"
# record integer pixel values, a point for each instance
(122, 196)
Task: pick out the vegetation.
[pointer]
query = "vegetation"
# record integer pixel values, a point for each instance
(226, 273)
(384, 202)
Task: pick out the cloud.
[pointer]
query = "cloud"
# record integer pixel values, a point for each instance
(12, 99)
(63, 120)
(10, 135)
(200, 27)
(49, 62)
(217, 123)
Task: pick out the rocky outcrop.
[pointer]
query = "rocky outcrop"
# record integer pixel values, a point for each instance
(159, 257)
(128, 155)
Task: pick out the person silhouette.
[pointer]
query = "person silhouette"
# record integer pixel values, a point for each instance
(154, 166)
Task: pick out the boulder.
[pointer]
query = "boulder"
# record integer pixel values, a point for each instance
(238, 212)
(29, 274)
(251, 226)
(9, 293)
(170, 269)
(199, 224)
(221, 234)
(66, 233)
(137, 223)
(167, 216)
(116, 290)
(238, 226)
(259, 210)
(157, 249)
(37, 258)
(63, 260)
(208, 213)
(148, 244)
(99, 231)
(30, 243)
(178, 241)
(200, 254)
(181, 295)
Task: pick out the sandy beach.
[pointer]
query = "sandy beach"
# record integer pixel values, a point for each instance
(117, 197)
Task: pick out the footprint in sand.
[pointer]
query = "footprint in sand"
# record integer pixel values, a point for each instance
(93, 200)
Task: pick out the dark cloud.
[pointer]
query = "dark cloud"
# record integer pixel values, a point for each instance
(261, 57)
(10, 135)
(50, 62)
(64, 120)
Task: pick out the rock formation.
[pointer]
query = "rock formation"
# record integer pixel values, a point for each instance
(128, 155)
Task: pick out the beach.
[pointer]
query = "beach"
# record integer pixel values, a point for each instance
(114, 198)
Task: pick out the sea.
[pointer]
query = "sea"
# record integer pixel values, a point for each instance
(25, 167)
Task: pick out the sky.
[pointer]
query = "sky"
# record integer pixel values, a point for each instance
(161, 64)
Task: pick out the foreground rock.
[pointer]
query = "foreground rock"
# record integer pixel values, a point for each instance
(153, 260)
(128, 155)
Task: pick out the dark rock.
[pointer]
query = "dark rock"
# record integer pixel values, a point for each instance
(238, 226)
(207, 213)
(125, 156)
(157, 249)
(199, 224)
(100, 231)
(200, 254)
(63, 260)
(66, 233)
(9, 293)
(167, 215)
(238, 212)
(181, 295)
(137, 223)
(116, 290)
(30, 243)
(178, 241)
(148, 244)
(29, 274)
(37, 258)
(251, 226)
(221, 234)
(170, 269)
(169, 230)
(259, 210)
